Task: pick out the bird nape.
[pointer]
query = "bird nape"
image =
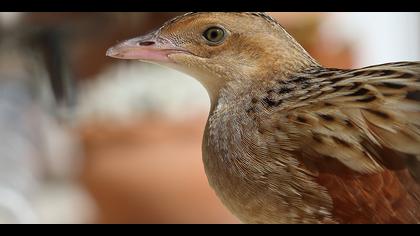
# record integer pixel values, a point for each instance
(287, 140)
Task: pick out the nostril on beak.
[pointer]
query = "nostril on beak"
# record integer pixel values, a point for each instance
(146, 43)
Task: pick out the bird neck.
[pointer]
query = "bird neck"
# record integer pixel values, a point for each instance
(277, 57)
(239, 85)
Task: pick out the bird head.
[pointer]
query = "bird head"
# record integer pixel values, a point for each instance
(217, 47)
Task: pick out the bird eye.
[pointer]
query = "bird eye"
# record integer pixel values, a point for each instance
(214, 34)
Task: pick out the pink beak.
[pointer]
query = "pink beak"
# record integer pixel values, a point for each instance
(146, 48)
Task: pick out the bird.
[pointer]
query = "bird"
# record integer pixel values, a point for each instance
(288, 140)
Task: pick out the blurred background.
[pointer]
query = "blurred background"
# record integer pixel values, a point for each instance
(89, 139)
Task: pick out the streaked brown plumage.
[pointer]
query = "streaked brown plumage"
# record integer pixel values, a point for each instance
(287, 140)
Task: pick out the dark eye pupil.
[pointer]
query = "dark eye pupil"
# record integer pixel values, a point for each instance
(214, 34)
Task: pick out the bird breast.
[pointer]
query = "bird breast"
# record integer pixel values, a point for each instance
(255, 185)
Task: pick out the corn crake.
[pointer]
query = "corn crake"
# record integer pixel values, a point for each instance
(287, 140)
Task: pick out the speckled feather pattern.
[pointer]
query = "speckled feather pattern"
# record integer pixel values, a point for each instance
(326, 145)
